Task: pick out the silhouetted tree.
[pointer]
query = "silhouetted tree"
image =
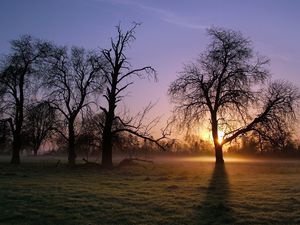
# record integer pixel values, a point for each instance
(39, 124)
(118, 78)
(73, 77)
(225, 83)
(18, 72)
(90, 134)
(92, 127)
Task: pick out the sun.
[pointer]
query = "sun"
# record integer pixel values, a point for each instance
(205, 134)
(220, 136)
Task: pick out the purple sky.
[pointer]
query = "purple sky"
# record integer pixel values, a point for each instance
(173, 32)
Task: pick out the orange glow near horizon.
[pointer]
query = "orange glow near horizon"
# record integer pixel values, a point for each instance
(228, 159)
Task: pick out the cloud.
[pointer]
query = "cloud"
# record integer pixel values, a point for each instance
(164, 15)
(172, 18)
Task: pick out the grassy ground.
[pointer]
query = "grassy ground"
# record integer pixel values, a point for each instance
(177, 192)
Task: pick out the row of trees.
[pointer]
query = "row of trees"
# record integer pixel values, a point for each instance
(45, 88)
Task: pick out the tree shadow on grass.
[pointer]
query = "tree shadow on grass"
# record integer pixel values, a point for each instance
(215, 208)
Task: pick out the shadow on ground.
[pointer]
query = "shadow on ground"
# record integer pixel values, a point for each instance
(215, 209)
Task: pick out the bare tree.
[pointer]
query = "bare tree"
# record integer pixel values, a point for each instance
(119, 77)
(39, 124)
(16, 79)
(73, 78)
(226, 84)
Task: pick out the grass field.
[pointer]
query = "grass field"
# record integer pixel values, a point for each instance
(167, 192)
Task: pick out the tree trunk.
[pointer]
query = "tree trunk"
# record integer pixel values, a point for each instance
(17, 141)
(219, 154)
(107, 143)
(107, 150)
(18, 120)
(218, 146)
(36, 146)
(71, 145)
(107, 131)
(16, 150)
(35, 152)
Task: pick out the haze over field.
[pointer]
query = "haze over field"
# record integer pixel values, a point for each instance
(168, 192)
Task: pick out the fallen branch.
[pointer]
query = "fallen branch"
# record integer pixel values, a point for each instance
(142, 160)
(131, 162)
(88, 163)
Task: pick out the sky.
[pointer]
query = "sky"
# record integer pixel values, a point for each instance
(173, 32)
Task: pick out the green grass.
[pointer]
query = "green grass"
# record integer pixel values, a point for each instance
(176, 192)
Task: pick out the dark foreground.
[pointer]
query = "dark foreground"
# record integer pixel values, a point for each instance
(176, 192)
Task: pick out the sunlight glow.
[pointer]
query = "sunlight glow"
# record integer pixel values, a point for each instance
(220, 136)
(213, 159)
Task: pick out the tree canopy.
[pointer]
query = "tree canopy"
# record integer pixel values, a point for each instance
(231, 85)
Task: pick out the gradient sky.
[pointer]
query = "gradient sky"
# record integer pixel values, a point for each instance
(172, 33)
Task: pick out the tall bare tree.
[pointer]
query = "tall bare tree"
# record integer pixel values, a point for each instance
(73, 78)
(119, 77)
(226, 84)
(19, 71)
